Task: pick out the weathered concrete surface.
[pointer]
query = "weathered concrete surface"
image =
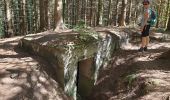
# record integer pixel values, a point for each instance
(65, 50)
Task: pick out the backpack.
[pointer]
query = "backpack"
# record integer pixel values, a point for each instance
(153, 18)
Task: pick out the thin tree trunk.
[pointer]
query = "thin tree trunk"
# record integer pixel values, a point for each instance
(85, 10)
(130, 11)
(2, 15)
(123, 13)
(168, 26)
(167, 13)
(73, 13)
(64, 9)
(6, 19)
(109, 12)
(22, 19)
(42, 14)
(58, 15)
(46, 14)
(91, 12)
(100, 13)
(137, 12)
(35, 16)
(115, 19)
(72, 10)
(159, 13)
(67, 11)
(82, 11)
(78, 11)
(94, 13)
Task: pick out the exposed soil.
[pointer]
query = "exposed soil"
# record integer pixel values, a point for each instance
(136, 76)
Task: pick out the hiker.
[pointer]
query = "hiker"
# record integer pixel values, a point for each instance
(145, 27)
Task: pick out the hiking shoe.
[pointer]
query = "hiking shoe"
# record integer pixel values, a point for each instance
(145, 49)
(141, 49)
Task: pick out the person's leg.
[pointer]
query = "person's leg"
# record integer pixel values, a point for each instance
(147, 40)
(147, 37)
(144, 42)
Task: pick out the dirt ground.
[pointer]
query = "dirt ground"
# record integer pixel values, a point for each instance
(136, 76)
(22, 76)
(130, 75)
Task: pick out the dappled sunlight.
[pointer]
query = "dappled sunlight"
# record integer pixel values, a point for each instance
(149, 73)
(22, 76)
(159, 79)
(159, 45)
(120, 61)
(102, 79)
(155, 74)
(130, 46)
(33, 82)
(7, 92)
(7, 52)
(155, 45)
(147, 57)
(10, 39)
(156, 96)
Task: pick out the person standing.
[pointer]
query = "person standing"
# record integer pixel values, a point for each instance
(145, 27)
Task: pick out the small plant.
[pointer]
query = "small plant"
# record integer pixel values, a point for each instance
(86, 33)
(130, 78)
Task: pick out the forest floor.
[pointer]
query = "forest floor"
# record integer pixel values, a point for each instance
(130, 75)
(24, 76)
(136, 76)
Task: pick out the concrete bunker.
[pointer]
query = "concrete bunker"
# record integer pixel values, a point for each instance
(76, 62)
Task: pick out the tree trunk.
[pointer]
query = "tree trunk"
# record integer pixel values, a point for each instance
(167, 13)
(2, 18)
(100, 13)
(159, 12)
(109, 12)
(36, 18)
(58, 15)
(22, 19)
(64, 9)
(82, 17)
(46, 14)
(73, 13)
(115, 16)
(168, 26)
(42, 14)
(123, 13)
(137, 12)
(130, 11)
(91, 10)
(78, 11)
(95, 13)
(6, 19)
(85, 10)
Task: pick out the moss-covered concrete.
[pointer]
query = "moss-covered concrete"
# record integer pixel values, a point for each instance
(65, 50)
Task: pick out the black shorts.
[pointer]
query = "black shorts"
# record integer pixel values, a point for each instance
(145, 31)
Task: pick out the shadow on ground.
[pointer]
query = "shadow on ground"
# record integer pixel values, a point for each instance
(136, 76)
(24, 76)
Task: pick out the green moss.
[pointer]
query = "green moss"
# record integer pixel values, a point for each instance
(86, 33)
